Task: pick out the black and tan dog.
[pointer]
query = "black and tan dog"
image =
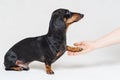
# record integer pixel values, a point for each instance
(47, 48)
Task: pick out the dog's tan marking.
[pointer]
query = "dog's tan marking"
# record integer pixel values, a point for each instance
(19, 62)
(16, 68)
(74, 49)
(58, 54)
(71, 20)
(74, 18)
(49, 70)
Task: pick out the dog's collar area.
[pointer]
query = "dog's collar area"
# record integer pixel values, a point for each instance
(53, 49)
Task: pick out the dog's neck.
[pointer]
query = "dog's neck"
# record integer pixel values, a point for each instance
(57, 32)
(57, 38)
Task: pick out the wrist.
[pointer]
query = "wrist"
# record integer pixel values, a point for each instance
(96, 44)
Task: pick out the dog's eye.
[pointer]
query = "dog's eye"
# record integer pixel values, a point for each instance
(68, 13)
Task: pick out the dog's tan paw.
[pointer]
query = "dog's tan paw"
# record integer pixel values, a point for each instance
(74, 49)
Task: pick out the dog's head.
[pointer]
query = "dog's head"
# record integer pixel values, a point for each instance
(62, 18)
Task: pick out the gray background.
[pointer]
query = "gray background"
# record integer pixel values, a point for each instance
(29, 18)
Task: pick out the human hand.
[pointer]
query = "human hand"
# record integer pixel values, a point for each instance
(87, 46)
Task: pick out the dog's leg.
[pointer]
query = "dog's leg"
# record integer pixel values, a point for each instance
(23, 65)
(74, 49)
(48, 69)
(17, 68)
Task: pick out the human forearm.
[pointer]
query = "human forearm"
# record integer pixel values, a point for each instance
(109, 39)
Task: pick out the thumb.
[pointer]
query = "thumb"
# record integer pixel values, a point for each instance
(77, 43)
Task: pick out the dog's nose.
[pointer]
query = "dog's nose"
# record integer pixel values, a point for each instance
(82, 15)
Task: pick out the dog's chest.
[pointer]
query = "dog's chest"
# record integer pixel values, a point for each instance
(59, 53)
(56, 46)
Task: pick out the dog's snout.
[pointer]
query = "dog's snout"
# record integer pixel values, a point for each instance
(82, 15)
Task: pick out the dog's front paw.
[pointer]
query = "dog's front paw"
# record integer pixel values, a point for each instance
(74, 49)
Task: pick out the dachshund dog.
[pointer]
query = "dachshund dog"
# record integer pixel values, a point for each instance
(47, 48)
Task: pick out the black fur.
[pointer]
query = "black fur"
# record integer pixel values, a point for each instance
(43, 48)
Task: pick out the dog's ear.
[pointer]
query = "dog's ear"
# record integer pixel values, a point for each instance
(56, 23)
(59, 22)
